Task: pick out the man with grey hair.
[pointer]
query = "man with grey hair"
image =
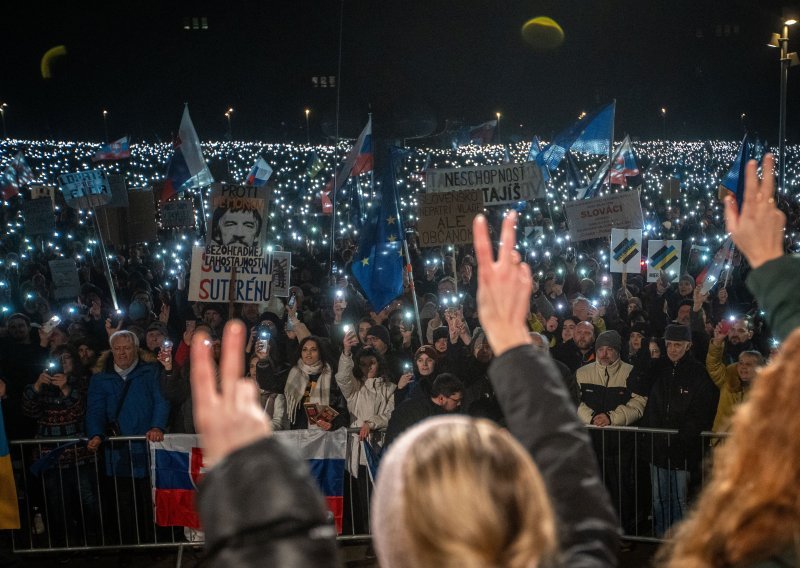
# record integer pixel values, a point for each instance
(125, 399)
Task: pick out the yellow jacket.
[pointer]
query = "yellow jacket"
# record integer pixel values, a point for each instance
(726, 377)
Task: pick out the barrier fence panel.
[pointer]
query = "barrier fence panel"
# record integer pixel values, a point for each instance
(72, 499)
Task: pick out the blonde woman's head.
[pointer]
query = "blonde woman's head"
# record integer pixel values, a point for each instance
(459, 492)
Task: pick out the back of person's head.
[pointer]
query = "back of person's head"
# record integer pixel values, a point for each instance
(484, 501)
(750, 511)
(446, 384)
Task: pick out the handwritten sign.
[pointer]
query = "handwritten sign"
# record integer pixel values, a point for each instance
(446, 218)
(83, 190)
(177, 214)
(500, 184)
(212, 282)
(594, 218)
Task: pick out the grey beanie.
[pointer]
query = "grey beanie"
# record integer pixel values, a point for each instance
(609, 338)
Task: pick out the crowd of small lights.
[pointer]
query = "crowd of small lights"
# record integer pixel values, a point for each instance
(297, 223)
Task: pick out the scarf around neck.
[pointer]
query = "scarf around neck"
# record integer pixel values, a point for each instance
(297, 382)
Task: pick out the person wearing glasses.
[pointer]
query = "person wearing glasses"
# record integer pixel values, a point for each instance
(446, 396)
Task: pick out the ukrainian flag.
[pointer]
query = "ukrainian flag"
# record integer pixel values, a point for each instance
(9, 507)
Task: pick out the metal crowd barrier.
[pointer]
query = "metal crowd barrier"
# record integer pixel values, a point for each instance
(75, 506)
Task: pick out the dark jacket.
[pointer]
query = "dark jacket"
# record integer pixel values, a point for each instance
(286, 525)
(409, 413)
(569, 354)
(542, 417)
(682, 398)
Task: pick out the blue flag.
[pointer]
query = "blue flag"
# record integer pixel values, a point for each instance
(734, 180)
(590, 135)
(378, 263)
(536, 148)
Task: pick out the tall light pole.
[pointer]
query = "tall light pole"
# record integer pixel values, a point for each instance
(787, 60)
(664, 120)
(3, 108)
(105, 123)
(308, 132)
(228, 115)
(498, 115)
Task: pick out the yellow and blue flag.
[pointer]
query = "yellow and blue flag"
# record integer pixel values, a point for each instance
(9, 506)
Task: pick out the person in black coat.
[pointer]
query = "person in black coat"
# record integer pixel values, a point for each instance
(446, 396)
(683, 398)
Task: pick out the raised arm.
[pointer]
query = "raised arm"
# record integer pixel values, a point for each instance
(537, 407)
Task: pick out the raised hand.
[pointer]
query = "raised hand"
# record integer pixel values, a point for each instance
(758, 229)
(230, 418)
(504, 287)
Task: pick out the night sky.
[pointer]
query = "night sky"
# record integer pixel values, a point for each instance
(416, 65)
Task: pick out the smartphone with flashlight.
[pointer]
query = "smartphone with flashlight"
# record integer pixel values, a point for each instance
(54, 366)
(116, 317)
(51, 324)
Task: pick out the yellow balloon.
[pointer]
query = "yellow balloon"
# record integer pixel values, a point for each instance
(48, 58)
(543, 33)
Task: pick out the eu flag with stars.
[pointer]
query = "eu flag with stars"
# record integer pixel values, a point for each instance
(378, 264)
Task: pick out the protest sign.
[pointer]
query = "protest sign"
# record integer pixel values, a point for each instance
(594, 218)
(83, 190)
(213, 282)
(666, 256)
(39, 218)
(281, 267)
(500, 184)
(237, 229)
(446, 218)
(42, 191)
(141, 217)
(65, 278)
(626, 250)
(119, 191)
(177, 214)
(671, 190)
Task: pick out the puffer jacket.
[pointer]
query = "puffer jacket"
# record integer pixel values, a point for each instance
(614, 397)
(144, 408)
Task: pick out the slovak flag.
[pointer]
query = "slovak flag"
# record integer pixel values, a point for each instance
(16, 174)
(117, 150)
(259, 174)
(187, 168)
(358, 161)
(622, 169)
(176, 471)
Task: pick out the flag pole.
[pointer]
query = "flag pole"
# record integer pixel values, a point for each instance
(336, 145)
(106, 266)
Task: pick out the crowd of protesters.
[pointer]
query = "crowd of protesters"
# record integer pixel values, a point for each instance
(662, 355)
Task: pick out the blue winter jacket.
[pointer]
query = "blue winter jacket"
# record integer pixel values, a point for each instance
(144, 408)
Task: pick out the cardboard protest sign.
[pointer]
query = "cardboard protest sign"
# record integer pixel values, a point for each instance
(119, 191)
(39, 218)
(626, 250)
(237, 229)
(446, 218)
(281, 267)
(671, 190)
(594, 218)
(666, 256)
(86, 189)
(177, 214)
(65, 278)
(141, 223)
(42, 191)
(500, 184)
(213, 282)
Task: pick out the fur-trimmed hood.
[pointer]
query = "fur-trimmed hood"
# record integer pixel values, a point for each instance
(105, 360)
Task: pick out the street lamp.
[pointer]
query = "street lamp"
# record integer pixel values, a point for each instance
(787, 60)
(228, 115)
(105, 123)
(498, 115)
(308, 132)
(664, 120)
(3, 108)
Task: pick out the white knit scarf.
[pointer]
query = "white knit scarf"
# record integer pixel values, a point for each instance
(298, 380)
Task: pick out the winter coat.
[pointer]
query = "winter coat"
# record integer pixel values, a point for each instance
(144, 408)
(774, 286)
(613, 397)
(726, 377)
(251, 523)
(542, 417)
(682, 398)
